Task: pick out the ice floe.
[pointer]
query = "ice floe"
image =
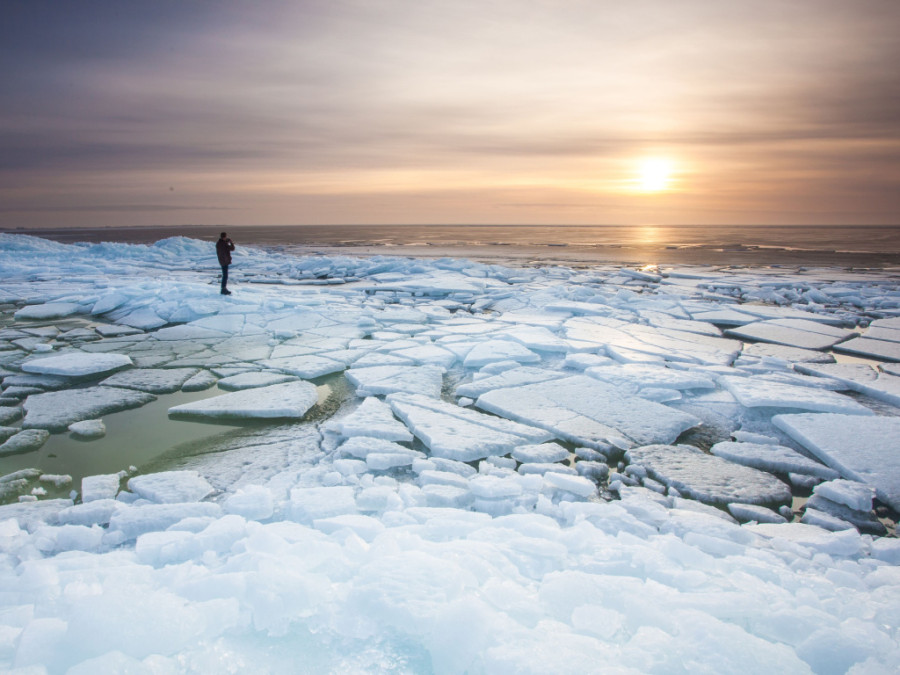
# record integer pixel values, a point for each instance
(276, 401)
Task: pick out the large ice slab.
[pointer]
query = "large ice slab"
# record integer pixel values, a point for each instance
(863, 449)
(793, 333)
(514, 377)
(286, 400)
(458, 433)
(80, 364)
(152, 380)
(755, 392)
(885, 350)
(708, 478)
(588, 412)
(56, 410)
(381, 380)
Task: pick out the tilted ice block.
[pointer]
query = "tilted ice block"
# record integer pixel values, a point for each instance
(588, 412)
(793, 333)
(509, 378)
(309, 367)
(104, 486)
(884, 350)
(287, 400)
(498, 350)
(643, 375)
(308, 504)
(362, 446)
(752, 512)
(253, 380)
(847, 492)
(96, 512)
(49, 310)
(583, 487)
(372, 418)
(754, 392)
(771, 457)
(864, 521)
(381, 380)
(77, 364)
(458, 433)
(545, 452)
(56, 410)
(708, 478)
(171, 487)
(863, 449)
(133, 521)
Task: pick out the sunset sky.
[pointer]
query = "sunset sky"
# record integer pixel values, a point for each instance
(508, 111)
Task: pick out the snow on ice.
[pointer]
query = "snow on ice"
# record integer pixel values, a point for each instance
(452, 466)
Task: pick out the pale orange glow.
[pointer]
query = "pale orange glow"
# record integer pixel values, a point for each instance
(655, 175)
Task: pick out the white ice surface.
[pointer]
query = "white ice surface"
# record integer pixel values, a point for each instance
(754, 392)
(77, 364)
(372, 418)
(56, 410)
(307, 555)
(586, 411)
(286, 400)
(381, 380)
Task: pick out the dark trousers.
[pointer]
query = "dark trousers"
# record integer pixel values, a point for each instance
(224, 276)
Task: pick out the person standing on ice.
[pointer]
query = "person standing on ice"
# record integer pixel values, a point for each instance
(224, 247)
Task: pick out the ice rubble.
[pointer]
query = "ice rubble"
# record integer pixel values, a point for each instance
(410, 533)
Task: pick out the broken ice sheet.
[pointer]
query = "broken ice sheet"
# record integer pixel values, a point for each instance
(588, 412)
(458, 433)
(708, 478)
(286, 400)
(381, 380)
(56, 410)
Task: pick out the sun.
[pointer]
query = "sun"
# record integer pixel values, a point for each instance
(655, 175)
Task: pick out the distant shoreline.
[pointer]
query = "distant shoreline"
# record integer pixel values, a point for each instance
(867, 247)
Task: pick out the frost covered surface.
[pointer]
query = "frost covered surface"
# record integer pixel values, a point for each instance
(454, 504)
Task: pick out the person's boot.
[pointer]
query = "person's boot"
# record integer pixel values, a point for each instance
(225, 291)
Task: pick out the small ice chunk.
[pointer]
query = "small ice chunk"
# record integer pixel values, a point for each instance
(56, 410)
(88, 429)
(286, 400)
(752, 512)
(253, 502)
(96, 512)
(384, 461)
(489, 351)
(199, 382)
(708, 478)
(578, 485)
(135, 520)
(171, 487)
(844, 543)
(365, 527)
(27, 440)
(854, 495)
(545, 452)
(78, 364)
(312, 503)
(361, 446)
(824, 520)
(103, 486)
(773, 458)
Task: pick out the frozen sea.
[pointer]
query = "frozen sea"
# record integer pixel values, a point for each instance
(438, 464)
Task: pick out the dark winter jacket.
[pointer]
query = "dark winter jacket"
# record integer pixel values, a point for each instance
(224, 247)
